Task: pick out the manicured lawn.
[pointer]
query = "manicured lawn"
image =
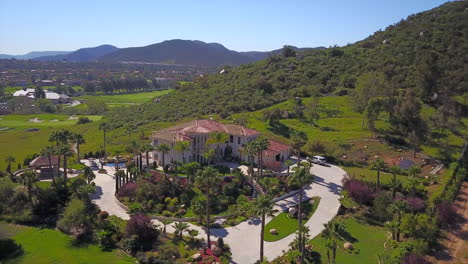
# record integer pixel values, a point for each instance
(51, 246)
(122, 99)
(46, 120)
(368, 243)
(286, 225)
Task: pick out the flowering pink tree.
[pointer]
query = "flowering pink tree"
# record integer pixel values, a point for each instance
(359, 191)
(141, 227)
(415, 204)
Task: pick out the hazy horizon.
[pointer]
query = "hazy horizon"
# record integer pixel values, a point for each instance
(52, 25)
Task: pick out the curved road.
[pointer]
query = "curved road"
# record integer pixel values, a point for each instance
(244, 238)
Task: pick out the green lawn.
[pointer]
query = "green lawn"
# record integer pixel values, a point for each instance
(46, 120)
(286, 225)
(122, 99)
(368, 243)
(51, 246)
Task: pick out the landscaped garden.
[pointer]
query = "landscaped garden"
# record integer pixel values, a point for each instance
(285, 223)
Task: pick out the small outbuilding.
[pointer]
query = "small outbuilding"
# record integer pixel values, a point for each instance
(45, 168)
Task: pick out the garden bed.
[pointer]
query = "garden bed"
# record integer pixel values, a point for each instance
(286, 225)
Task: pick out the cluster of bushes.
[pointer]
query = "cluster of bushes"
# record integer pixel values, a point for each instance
(95, 155)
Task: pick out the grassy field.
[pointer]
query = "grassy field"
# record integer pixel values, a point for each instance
(368, 241)
(122, 99)
(44, 246)
(45, 120)
(369, 175)
(12, 89)
(286, 225)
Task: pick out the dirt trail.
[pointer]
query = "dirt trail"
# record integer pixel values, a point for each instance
(456, 242)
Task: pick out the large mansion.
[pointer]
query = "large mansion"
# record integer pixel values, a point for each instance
(197, 133)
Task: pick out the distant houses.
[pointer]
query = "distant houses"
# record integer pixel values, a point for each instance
(49, 95)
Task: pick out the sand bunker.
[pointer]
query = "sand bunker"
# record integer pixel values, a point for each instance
(73, 118)
(35, 120)
(54, 120)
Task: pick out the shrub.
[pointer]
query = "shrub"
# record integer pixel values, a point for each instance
(83, 120)
(414, 258)
(128, 190)
(75, 220)
(415, 204)
(9, 249)
(359, 191)
(446, 214)
(380, 209)
(140, 225)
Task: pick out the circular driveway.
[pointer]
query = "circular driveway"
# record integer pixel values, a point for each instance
(244, 238)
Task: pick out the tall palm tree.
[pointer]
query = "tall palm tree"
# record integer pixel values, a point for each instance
(298, 140)
(378, 165)
(78, 139)
(394, 186)
(10, 159)
(250, 151)
(104, 126)
(48, 152)
(398, 208)
(332, 233)
(262, 207)
(288, 164)
(261, 144)
(147, 148)
(27, 178)
(217, 138)
(60, 136)
(209, 156)
(65, 151)
(182, 146)
(206, 179)
(163, 148)
(301, 177)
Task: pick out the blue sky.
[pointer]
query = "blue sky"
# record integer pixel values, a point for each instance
(37, 25)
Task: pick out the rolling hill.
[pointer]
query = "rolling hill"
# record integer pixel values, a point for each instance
(82, 55)
(177, 51)
(33, 55)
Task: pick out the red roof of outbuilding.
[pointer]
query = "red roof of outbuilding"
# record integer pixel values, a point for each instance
(275, 148)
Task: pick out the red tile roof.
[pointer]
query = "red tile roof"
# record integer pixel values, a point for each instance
(203, 126)
(275, 148)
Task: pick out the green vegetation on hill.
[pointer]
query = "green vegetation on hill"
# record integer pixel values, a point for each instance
(422, 53)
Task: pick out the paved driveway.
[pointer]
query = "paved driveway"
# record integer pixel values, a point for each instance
(244, 239)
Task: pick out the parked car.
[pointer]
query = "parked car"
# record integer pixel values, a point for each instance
(319, 160)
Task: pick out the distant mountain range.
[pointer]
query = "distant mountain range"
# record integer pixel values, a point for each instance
(82, 55)
(33, 55)
(176, 51)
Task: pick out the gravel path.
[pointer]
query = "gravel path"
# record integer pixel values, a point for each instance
(244, 238)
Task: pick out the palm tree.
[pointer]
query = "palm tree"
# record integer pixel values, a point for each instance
(192, 168)
(147, 148)
(163, 148)
(89, 174)
(182, 146)
(104, 127)
(165, 222)
(198, 208)
(27, 178)
(332, 234)
(216, 138)
(193, 233)
(250, 150)
(60, 136)
(288, 163)
(48, 151)
(261, 144)
(262, 207)
(66, 152)
(378, 164)
(394, 186)
(209, 155)
(207, 179)
(398, 208)
(180, 227)
(414, 171)
(301, 177)
(10, 159)
(78, 139)
(298, 140)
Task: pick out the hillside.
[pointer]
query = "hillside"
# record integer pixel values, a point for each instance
(423, 53)
(33, 55)
(181, 52)
(81, 55)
